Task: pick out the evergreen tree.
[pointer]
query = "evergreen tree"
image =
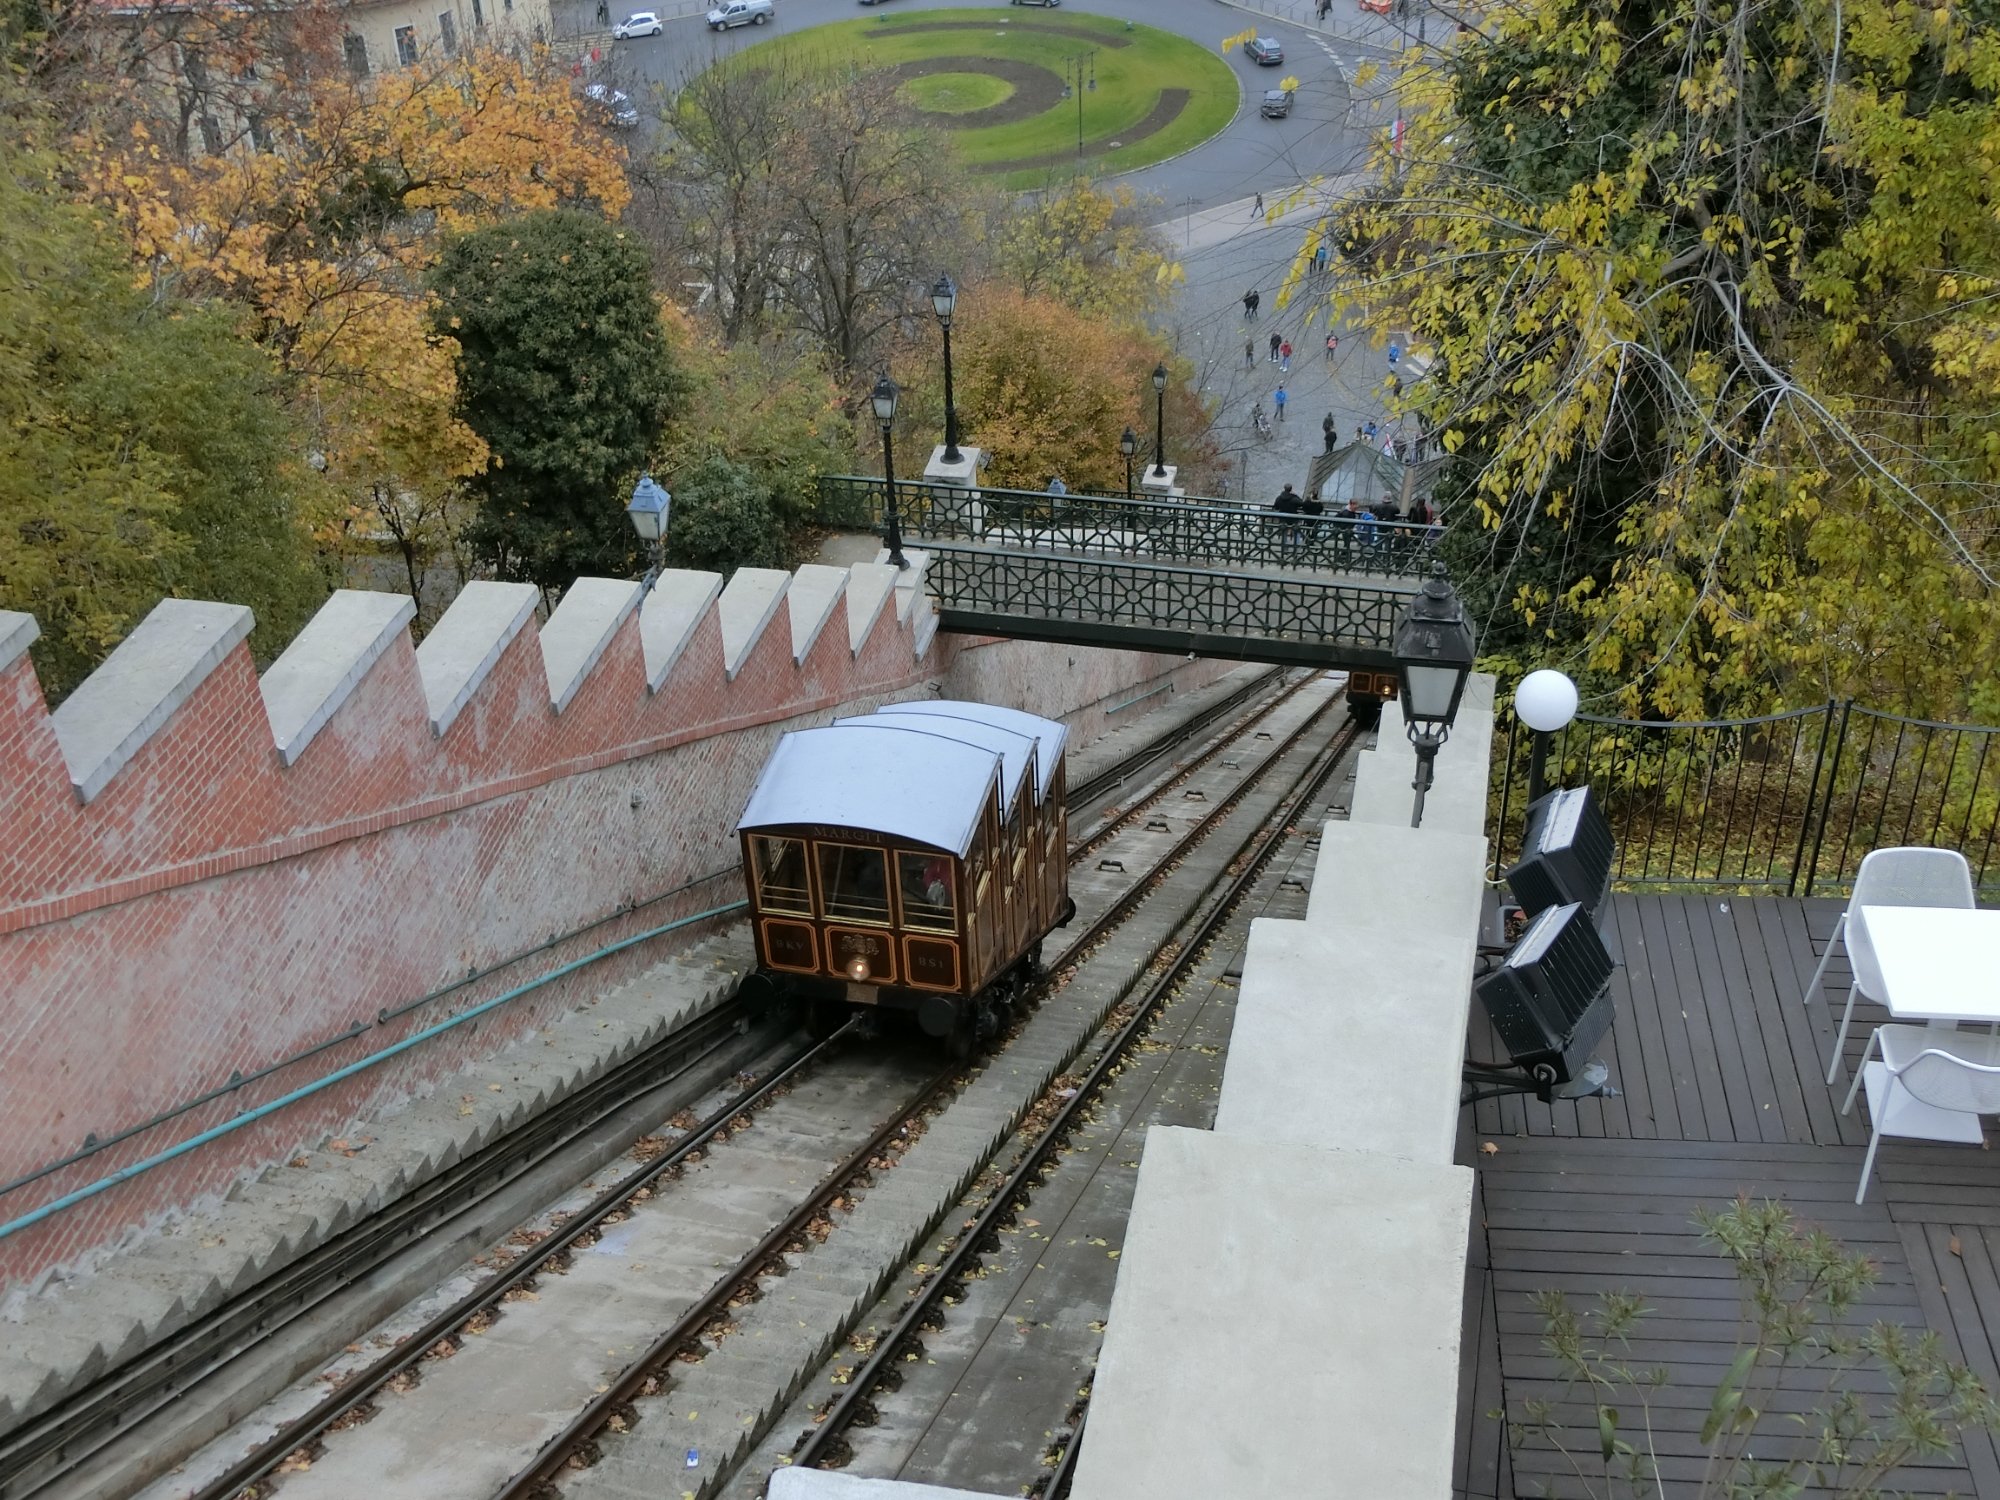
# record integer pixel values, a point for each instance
(564, 373)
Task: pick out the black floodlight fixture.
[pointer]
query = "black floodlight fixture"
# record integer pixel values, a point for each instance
(1550, 1003)
(1566, 854)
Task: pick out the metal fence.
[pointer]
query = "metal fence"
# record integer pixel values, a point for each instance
(1149, 606)
(1210, 532)
(1785, 803)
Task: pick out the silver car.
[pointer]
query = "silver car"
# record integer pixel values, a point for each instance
(740, 13)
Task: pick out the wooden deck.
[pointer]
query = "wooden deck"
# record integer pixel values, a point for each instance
(1722, 1072)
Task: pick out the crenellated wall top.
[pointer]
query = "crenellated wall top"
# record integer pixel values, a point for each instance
(175, 760)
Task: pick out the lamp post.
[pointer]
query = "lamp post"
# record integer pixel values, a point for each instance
(648, 511)
(1434, 655)
(944, 298)
(1160, 421)
(1074, 69)
(1545, 701)
(884, 396)
(1128, 444)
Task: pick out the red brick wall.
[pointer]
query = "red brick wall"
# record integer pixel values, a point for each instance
(213, 911)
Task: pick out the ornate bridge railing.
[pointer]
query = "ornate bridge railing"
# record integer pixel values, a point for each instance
(1147, 606)
(1210, 532)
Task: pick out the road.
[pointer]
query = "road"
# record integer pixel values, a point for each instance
(1206, 199)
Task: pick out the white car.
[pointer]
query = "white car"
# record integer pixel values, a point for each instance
(740, 13)
(639, 23)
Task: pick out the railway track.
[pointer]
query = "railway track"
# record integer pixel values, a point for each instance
(36, 1457)
(826, 1442)
(568, 1459)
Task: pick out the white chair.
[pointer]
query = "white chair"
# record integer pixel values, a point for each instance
(1888, 877)
(1928, 1086)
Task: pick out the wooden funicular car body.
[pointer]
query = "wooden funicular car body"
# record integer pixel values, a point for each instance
(911, 860)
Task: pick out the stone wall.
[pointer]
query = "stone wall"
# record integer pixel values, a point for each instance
(203, 872)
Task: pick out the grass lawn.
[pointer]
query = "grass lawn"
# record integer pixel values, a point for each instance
(1157, 94)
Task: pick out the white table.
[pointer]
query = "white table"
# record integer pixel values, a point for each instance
(1939, 964)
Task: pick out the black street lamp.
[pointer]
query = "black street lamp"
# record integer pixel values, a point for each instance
(1128, 444)
(944, 297)
(1434, 655)
(648, 511)
(884, 396)
(1160, 421)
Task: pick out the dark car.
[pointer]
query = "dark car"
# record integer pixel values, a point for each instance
(1264, 50)
(1277, 104)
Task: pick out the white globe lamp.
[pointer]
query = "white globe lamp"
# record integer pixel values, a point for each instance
(1545, 701)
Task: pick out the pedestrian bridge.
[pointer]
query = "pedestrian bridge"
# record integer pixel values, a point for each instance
(1203, 576)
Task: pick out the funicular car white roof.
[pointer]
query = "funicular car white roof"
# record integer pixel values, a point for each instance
(1049, 735)
(1016, 751)
(856, 775)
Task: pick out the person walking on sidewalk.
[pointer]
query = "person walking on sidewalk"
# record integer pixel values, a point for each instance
(1326, 428)
(1285, 356)
(1249, 353)
(1324, 7)
(1258, 211)
(1332, 344)
(1250, 301)
(1276, 340)
(1278, 399)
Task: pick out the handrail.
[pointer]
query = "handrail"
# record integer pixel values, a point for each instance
(251, 1116)
(1207, 532)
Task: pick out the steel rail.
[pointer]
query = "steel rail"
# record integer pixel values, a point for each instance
(536, 1480)
(584, 1427)
(1012, 1196)
(364, 1383)
(73, 1430)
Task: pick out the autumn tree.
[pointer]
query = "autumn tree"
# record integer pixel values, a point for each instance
(1713, 284)
(1043, 391)
(807, 200)
(724, 519)
(324, 238)
(1091, 249)
(766, 406)
(144, 449)
(563, 372)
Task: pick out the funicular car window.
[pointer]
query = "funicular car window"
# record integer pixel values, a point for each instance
(854, 882)
(928, 905)
(780, 865)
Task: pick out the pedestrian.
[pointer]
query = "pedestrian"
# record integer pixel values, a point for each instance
(1249, 353)
(1360, 433)
(1324, 7)
(1288, 501)
(1326, 428)
(1278, 400)
(1332, 344)
(1258, 211)
(1285, 356)
(1250, 301)
(1056, 485)
(1395, 386)
(1276, 341)
(1368, 430)
(1319, 261)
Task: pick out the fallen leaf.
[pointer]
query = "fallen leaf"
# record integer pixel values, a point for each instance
(1956, 1248)
(1487, 1148)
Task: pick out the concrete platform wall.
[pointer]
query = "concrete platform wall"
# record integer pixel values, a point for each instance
(1287, 1315)
(203, 871)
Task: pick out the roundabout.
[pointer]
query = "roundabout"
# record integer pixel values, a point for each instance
(1024, 97)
